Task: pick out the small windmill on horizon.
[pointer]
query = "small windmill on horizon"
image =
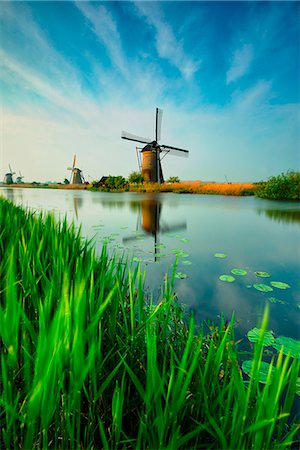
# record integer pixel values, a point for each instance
(153, 152)
(76, 174)
(8, 177)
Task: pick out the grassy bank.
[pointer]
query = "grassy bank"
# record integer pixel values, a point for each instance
(184, 187)
(197, 187)
(89, 362)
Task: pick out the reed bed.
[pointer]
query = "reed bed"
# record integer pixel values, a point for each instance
(198, 187)
(89, 361)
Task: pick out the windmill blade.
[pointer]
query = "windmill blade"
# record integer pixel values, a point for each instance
(74, 162)
(133, 237)
(10, 169)
(174, 150)
(171, 228)
(158, 124)
(133, 137)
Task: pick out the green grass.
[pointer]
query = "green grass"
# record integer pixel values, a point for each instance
(88, 361)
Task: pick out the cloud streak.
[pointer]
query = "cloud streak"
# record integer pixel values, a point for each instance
(241, 62)
(167, 45)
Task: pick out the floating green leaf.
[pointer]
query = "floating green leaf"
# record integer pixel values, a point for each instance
(239, 271)
(228, 278)
(280, 285)
(276, 300)
(180, 275)
(263, 287)
(187, 263)
(263, 274)
(160, 246)
(254, 334)
(160, 255)
(220, 255)
(262, 373)
(184, 240)
(290, 345)
(135, 259)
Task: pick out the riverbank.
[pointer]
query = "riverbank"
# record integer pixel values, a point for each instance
(184, 187)
(90, 361)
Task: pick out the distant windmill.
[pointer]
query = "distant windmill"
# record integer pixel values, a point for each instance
(150, 222)
(76, 174)
(19, 178)
(153, 153)
(8, 178)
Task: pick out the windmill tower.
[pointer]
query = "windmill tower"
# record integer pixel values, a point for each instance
(76, 174)
(8, 177)
(153, 153)
(19, 178)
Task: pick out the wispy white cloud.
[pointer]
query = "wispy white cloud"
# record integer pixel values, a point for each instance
(106, 30)
(167, 45)
(240, 64)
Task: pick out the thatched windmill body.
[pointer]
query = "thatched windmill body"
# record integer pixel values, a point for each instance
(76, 174)
(8, 177)
(153, 152)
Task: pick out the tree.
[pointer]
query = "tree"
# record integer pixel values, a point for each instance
(66, 181)
(117, 182)
(173, 180)
(136, 177)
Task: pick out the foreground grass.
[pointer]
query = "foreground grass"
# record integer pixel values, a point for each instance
(89, 362)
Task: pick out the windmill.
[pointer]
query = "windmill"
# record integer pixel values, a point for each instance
(8, 178)
(19, 178)
(149, 221)
(153, 153)
(76, 174)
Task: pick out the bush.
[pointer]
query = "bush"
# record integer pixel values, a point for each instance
(281, 187)
(117, 182)
(173, 180)
(136, 177)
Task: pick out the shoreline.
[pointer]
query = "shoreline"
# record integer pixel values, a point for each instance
(184, 187)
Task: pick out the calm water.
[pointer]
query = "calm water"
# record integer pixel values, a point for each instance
(254, 234)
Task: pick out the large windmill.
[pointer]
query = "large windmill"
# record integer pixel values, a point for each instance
(153, 152)
(8, 177)
(76, 174)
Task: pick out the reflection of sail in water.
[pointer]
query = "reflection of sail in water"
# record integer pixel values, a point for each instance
(149, 220)
(77, 202)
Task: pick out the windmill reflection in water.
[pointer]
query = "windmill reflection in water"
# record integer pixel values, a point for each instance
(150, 224)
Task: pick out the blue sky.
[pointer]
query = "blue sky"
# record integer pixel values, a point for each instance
(75, 74)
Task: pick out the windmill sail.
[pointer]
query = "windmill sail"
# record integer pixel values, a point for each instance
(158, 124)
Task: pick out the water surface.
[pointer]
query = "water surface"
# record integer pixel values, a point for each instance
(255, 235)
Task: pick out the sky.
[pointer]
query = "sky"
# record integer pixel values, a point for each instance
(73, 75)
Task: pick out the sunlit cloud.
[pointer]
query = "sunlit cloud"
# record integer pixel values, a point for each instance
(167, 45)
(241, 62)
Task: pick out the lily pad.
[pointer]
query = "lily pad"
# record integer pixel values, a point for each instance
(187, 262)
(263, 287)
(276, 300)
(254, 334)
(228, 278)
(220, 255)
(280, 285)
(290, 345)
(180, 275)
(135, 259)
(263, 274)
(160, 246)
(239, 271)
(184, 240)
(262, 373)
